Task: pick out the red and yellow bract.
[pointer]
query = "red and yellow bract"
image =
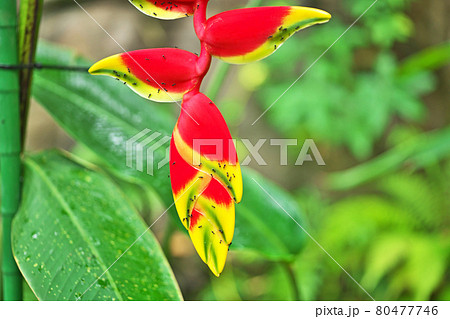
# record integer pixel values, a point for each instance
(205, 190)
(251, 34)
(162, 75)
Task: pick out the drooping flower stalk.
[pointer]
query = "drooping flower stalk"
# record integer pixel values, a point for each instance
(204, 168)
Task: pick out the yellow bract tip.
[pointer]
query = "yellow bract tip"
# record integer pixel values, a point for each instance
(113, 62)
(309, 16)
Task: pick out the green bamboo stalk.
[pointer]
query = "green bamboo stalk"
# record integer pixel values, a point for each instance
(9, 145)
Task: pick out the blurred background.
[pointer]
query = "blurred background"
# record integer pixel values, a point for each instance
(376, 105)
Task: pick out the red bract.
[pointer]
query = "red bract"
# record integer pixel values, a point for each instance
(166, 10)
(204, 169)
(251, 34)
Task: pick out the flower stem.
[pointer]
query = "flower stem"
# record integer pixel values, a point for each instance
(200, 17)
(9, 144)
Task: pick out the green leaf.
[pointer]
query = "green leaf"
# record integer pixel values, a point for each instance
(103, 114)
(386, 253)
(264, 225)
(414, 262)
(418, 195)
(431, 58)
(417, 152)
(74, 224)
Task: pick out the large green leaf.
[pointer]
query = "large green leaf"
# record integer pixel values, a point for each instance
(74, 224)
(103, 114)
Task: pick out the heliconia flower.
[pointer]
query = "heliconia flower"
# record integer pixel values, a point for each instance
(251, 34)
(162, 75)
(166, 10)
(205, 192)
(204, 169)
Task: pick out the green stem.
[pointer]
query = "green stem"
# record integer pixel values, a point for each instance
(221, 71)
(30, 16)
(292, 279)
(170, 229)
(9, 144)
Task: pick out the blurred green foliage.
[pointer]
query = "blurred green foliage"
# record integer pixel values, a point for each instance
(394, 238)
